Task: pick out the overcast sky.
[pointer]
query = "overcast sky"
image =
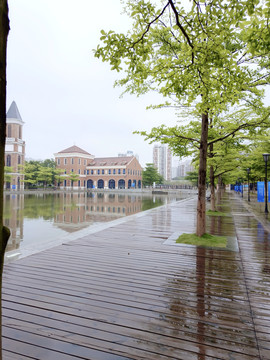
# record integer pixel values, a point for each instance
(66, 96)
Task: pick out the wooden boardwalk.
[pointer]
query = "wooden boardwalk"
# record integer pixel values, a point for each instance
(122, 294)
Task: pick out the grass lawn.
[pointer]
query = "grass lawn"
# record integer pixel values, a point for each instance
(206, 240)
(216, 213)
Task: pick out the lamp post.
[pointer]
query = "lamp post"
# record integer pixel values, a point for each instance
(265, 157)
(248, 171)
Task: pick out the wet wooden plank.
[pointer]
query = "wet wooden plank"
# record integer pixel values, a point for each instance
(122, 294)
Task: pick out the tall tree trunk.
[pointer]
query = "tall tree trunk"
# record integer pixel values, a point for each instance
(212, 187)
(4, 232)
(211, 175)
(201, 228)
(220, 186)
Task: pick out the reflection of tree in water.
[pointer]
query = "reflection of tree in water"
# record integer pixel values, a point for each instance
(34, 208)
(150, 203)
(199, 302)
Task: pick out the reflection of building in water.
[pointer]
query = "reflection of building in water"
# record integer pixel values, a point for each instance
(15, 148)
(13, 219)
(102, 173)
(82, 210)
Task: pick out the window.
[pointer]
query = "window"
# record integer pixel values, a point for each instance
(79, 183)
(114, 171)
(72, 161)
(98, 171)
(79, 161)
(8, 160)
(20, 132)
(19, 159)
(103, 171)
(110, 171)
(58, 161)
(119, 171)
(71, 170)
(124, 171)
(9, 131)
(65, 161)
(88, 172)
(84, 171)
(92, 172)
(79, 171)
(65, 171)
(84, 162)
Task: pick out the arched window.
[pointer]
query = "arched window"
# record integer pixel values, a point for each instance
(8, 160)
(90, 184)
(9, 131)
(129, 184)
(100, 184)
(121, 184)
(111, 184)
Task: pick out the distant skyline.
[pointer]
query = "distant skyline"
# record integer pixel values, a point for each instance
(66, 96)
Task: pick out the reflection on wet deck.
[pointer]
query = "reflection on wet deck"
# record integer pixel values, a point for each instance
(63, 213)
(122, 294)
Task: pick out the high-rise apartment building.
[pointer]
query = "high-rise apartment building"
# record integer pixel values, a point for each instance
(162, 160)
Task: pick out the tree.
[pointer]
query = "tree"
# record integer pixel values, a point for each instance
(36, 172)
(7, 175)
(193, 56)
(192, 176)
(73, 177)
(30, 169)
(4, 231)
(151, 175)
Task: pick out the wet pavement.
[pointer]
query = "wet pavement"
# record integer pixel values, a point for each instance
(123, 293)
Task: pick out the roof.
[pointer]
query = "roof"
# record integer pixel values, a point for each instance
(13, 112)
(111, 161)
(74, 149)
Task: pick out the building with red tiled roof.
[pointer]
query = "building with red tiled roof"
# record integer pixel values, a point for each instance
(82, 170)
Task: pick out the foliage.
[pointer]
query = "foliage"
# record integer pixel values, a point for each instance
(73, 177)
(7, 176)
(41, 173)
(151, 175)
(192, 176)
(195, 56)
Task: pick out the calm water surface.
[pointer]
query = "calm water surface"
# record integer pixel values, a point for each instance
(40, 218)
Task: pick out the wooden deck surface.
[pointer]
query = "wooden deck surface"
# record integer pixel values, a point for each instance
(122, 294)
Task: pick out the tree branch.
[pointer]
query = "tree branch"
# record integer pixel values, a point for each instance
(149, 25)
(181, 27)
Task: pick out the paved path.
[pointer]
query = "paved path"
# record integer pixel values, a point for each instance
(122, 294)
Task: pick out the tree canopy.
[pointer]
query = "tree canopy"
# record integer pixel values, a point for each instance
(198, 57)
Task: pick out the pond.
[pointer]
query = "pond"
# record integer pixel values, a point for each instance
(40, 220)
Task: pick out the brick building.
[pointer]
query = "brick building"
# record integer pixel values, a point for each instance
(15, 147)
(102, 173)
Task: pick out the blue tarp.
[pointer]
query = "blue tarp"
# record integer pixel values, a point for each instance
(260, 191)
